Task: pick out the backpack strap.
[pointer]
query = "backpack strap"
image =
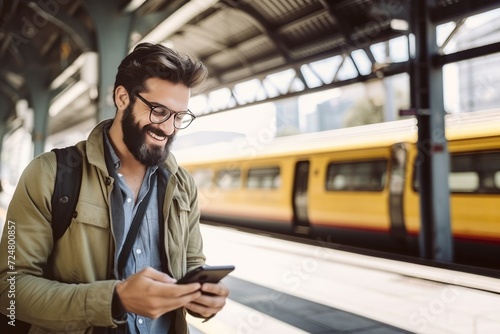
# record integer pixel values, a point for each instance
(66, 189)
(162, 187)
(134, 229)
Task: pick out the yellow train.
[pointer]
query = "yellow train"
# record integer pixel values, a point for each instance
(358, 184)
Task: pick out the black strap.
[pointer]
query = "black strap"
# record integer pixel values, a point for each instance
(66, 189)
(162, 187)
(134, 228)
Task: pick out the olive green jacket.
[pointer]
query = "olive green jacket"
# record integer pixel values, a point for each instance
(79, 292)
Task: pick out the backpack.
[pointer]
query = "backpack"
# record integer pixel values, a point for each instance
(64, 199)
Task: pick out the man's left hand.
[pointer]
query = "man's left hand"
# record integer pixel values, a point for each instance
(212, 300)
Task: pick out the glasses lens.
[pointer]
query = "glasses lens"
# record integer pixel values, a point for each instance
(159, 114)
(183, 119)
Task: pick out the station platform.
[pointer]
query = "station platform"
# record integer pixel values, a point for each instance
(285, 287)
(271, 311)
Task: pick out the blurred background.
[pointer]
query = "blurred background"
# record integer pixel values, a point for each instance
(370, 127)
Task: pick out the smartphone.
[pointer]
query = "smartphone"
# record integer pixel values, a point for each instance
(206, 274)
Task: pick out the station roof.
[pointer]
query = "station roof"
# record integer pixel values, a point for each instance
(236, 39)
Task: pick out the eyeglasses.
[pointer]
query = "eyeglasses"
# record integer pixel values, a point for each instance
(160, 114)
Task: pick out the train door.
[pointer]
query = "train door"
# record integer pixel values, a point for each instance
(299, 198)
(396, 191)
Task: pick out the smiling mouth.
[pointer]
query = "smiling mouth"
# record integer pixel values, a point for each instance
(157, 137)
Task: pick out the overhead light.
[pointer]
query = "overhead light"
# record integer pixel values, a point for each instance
(133, 5)
(22, 107)
(67, 96)
(68, 72)
(400, 25)
(87, 63)
(177, 20)
(89, 72)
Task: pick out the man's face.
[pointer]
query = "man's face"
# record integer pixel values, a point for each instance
(150, 143)
(135, 138)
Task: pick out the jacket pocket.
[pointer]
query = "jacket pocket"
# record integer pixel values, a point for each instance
(182, 210)
(81, 254)
(91, 214)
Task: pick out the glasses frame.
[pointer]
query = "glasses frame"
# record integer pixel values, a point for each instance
(171, 112)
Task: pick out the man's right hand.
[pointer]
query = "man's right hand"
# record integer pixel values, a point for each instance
(151, 293)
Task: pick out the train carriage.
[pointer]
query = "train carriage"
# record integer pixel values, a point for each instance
(359, 185)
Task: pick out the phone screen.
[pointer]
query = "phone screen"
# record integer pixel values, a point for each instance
(206, 274)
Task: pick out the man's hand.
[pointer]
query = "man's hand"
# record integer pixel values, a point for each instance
(211, 301)
(151, 293)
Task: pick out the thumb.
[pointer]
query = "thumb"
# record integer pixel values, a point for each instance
(156, 275)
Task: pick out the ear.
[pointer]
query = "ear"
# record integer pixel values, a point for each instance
(122, 98)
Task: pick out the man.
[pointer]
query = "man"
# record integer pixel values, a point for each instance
(76, 284)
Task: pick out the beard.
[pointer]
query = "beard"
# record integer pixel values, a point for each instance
(134, 138)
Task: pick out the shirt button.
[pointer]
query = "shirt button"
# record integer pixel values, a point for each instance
(138, 251)
(129, 200)
(141, 321)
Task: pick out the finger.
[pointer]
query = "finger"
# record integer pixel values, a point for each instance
(187, 289)
(218, 289)
(201, 309)
(206, 305)
(156, 275)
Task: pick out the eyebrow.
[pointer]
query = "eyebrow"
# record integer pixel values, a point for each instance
(157, 104)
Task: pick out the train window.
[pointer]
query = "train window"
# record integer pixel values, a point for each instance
(477, 172)
(202, 177)
(264, 178)
(228, 178)
(357, 176)
(463, 181)
(497, 180)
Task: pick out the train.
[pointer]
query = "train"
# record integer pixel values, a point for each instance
(358, 185)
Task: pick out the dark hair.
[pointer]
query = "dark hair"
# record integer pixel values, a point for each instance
(149, 60)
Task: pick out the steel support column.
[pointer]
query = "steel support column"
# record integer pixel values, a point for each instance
(113, 29)
(40, 100)
(435, 237)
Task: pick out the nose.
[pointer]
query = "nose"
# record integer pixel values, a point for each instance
(168, 126)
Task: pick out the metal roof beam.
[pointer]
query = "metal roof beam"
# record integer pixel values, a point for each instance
(446, 11)
(262, 23)
(221, 47)
(480, 51)
(133, 5)
(180, 17)
(342, 23)
(74, 28)
(8, 89)
(390, 70)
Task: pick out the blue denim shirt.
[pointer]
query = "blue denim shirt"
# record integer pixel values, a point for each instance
(146, 248)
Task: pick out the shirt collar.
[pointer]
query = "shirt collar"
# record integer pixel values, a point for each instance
(107, 146)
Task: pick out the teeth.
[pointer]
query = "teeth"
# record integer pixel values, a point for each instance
(155, 136)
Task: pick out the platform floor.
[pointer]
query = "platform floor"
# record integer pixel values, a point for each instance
(285, 287)
(303, 314)
(281, 287)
